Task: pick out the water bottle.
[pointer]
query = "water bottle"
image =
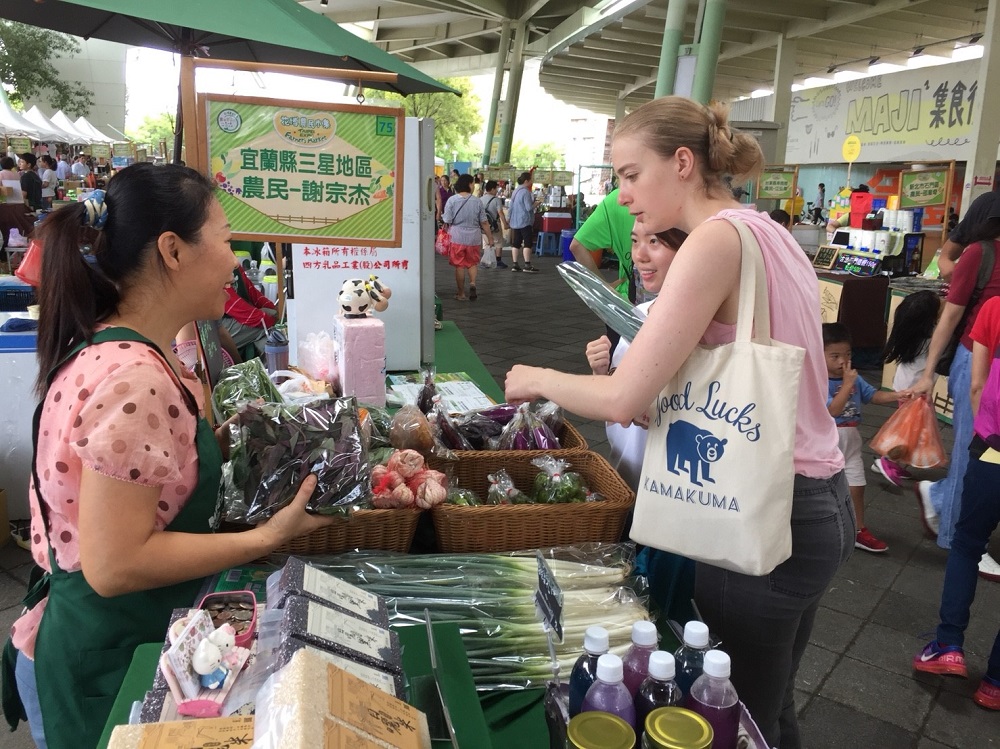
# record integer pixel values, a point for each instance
(658, 690)
(276, 350)
(691, 654)
(609, 693)
(714, 698)
(595, 644)
(636, 660)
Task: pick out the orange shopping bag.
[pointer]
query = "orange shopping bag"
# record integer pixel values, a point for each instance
(30, 269)
(911, 436)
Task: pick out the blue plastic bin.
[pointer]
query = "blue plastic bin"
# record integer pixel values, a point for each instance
(565, 238)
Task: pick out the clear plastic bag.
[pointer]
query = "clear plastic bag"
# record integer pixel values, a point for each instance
(282, 444)
(615, 312)
(527, 432)
(318, 358)
(447, 431)
(554, 484)
(911, 436)
(241, 384)
(502, 490)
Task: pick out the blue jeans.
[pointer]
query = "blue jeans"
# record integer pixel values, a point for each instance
(946, 494)
(27, 688)
(979, 518)
(765, 621)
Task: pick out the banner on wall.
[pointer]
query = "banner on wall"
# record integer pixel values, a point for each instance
(905, 116)
(20, 145)
(100, 151)
(307, 171)
(923, 188)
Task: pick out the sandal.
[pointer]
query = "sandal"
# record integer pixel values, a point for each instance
(461, 298)
(472, 293)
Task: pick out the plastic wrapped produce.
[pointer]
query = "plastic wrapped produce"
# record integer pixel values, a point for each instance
(527, 432)
(503, 492)
(243, 383)
(557, 485)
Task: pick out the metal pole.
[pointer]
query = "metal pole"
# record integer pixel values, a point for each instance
(673, 32)
(708, 50)
(491, 121)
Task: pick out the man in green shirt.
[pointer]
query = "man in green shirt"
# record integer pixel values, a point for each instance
(609, 227)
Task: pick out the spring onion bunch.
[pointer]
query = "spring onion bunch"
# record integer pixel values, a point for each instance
(491, 599)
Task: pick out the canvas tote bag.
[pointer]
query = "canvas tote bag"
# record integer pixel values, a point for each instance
(717, 475)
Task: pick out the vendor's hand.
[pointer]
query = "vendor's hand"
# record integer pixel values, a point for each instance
(522, 383)
(292, 521)
(599, 355)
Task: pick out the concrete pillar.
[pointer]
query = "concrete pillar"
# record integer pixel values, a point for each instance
(985, 128)
(673, 32)
(781, 101)
(619, 111)
(491, 121)
(513, 95)
(709, 42)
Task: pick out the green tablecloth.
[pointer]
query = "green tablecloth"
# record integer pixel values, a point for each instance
(514, 719)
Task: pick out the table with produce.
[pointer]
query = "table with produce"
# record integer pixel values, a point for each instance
(418, 618)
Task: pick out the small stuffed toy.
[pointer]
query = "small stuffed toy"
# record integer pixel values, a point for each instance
(225, 638)
(207, 663)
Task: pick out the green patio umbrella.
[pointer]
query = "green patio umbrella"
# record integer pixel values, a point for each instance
(265, 31)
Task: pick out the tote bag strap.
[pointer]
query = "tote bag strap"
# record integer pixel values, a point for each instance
(753, 312)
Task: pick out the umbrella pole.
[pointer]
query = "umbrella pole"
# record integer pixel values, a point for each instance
(179, 122)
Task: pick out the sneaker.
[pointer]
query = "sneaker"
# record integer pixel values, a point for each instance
(867, 542)
(515, 268)
(989, 569)
(936, 658)
(529, 268)
(988, 694)
(501, 263)
(890, 470)
(928, 516)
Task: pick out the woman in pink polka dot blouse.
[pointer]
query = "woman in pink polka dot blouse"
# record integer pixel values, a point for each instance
(126, 469)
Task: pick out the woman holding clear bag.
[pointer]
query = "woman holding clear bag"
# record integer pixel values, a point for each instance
(672, 155)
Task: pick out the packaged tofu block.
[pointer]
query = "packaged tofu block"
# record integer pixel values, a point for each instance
(336, 632)
(309, 701)
(389, 683)
(297, 578)
(236, 730)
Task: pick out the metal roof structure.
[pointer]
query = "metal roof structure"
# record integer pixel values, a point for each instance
(592, 50)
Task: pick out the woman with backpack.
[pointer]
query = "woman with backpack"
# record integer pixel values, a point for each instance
(495, 217)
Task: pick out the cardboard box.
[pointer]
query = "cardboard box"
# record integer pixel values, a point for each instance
(236, 730)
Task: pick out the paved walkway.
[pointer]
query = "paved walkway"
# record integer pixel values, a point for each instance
(855, 687)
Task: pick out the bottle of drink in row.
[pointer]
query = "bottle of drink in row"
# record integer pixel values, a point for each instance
(658, 690)
(636, 660)
(584, 673)
(609, 693)
(691, 654)
(714, 698)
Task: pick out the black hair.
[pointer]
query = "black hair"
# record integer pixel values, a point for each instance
(672, 237)
(29, 159)
(46, 159)
(912, 326)
(822, 185)
(863, 187)
(780, 216)
(490, 185)
(143, 202)
(523, 177)
(835, 332)
(7, 163)
(463, 183)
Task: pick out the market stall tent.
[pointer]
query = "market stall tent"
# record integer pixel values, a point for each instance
(14, 123)
(84, 126)
(35, 116)
(60, 120)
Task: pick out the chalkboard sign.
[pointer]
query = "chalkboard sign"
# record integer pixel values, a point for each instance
(858, 264)
(826, 255)
(210, 350)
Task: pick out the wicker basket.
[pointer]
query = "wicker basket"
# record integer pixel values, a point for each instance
(515, 527)
(376, 530)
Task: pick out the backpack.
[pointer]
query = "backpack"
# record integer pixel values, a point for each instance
(493, 219)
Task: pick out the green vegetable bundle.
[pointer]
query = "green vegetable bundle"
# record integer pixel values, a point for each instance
(243, 383)
(282, 444)
(491, 598)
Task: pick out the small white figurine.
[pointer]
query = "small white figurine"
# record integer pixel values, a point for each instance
(225, 638)
(207, 663)
(359, 297)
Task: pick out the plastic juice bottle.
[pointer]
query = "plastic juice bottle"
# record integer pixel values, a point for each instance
(609, 693)
(595, 644)
(691, 654)
(636, 660)
(658, 690)
(714, 698)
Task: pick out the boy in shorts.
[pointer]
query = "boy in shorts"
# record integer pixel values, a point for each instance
(847, 392)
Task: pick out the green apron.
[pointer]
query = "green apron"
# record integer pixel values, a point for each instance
(85, 642)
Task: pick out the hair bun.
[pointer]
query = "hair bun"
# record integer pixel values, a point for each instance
(95, 210)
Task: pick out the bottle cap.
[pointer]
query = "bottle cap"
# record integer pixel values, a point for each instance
(717, 664)
(644, 634)
(595, 640)
(610, 669)
(696, 634)
(661, 665)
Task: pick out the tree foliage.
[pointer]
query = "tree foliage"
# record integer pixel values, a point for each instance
(26, 68)
(542, 155)
(456, 118)
(153, 128)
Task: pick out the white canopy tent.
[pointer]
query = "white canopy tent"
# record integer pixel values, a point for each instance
(60, 120)
(84, 126)
(35, 116)
(13, 123)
